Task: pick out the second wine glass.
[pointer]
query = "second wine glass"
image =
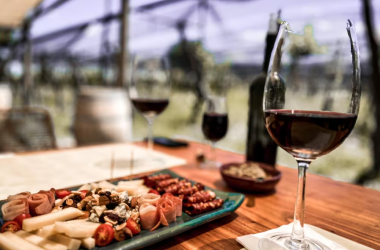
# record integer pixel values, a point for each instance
(150, 88)
(214, 124)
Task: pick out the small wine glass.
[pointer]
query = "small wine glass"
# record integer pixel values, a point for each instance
(308, 113)
(214, 125)
(150, 88)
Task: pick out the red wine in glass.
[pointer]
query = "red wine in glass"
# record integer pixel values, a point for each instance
(309, 134)
(214, 126)
(149, 89)
(150, 107)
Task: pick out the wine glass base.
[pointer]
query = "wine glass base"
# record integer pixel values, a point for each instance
(283, 241)
(210, 165)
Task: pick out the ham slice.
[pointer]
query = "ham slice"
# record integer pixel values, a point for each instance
(162, 221)
(39, 204)
(148, 216)
(148, 198)
(18, 196)
(178, 204)
(50, 194)
(14, 208)
(168, 208)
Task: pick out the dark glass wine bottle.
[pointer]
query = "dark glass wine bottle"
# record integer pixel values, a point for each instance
(260, 146)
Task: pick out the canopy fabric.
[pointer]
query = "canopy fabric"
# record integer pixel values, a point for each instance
(13, 12)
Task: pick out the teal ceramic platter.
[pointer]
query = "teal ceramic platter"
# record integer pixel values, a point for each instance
(186, 222)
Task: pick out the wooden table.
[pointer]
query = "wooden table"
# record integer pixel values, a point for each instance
(347, 210)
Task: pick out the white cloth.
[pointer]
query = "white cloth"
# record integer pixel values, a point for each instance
(72, 167)
(333, 241)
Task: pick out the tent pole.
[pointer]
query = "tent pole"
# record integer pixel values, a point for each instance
(27, 72)
(123, 56)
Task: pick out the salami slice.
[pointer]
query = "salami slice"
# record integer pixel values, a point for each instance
(50, 194)
(39, 204)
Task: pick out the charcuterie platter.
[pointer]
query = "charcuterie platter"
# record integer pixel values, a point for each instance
(173, 205)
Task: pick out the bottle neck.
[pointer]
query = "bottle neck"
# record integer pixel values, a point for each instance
(269, 41)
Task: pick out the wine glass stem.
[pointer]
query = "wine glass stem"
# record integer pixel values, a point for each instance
(299, 213)
(150, 136)
(213, 151)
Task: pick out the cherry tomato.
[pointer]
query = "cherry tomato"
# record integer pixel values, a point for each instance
(19, 219)
(62, 193)
(167, 194)
(11, 226)
(152, 191)
(104, 235)
(83, 193)
(133, 226)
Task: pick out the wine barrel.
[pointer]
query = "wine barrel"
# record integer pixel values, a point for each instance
(102, 115)
(5, 96)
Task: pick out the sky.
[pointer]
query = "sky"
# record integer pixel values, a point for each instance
(239, 37)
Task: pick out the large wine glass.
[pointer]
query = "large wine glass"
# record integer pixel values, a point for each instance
(311, 103)
(214, 125)
(150, 88)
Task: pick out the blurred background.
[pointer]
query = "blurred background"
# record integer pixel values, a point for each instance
(50, 49)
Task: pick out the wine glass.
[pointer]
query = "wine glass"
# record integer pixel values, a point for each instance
(150, 88)
(315, 127)
(214, 124)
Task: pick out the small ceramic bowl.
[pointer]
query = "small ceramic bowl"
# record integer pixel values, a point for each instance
(249, 184)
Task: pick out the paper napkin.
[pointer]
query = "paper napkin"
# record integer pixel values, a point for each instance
(333, 241)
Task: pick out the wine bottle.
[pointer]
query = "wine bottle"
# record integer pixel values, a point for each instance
(260, 146)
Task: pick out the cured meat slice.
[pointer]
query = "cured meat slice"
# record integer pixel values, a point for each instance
(187, 191)
(201, 196)
(148, 198)
(198, 208)
(150, 181)
(18, 196)
(39, 204)
(174, 188)
(162, 221)
(178, 204)
(149, 216)
(168, 208)
(160, 185)
(14, 208)
(50, 194)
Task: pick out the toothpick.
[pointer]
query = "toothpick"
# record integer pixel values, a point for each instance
(112, 164)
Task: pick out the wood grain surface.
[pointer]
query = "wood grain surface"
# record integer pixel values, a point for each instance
(347, 210)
